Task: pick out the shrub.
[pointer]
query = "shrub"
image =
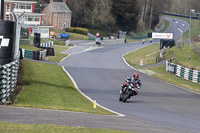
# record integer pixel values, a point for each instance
(79, 30)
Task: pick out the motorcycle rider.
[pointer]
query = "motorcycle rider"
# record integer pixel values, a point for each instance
(133, 79)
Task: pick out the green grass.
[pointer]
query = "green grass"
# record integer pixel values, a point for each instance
(181, 57)
(49, 128)
(160, 73)
(167, 24)
(29, 47)
(47, 86)
(143, 56)
(148, 54)
(58, 42)
(58, 55)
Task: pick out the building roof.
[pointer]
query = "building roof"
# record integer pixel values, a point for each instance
(61, 7)
(21, 1)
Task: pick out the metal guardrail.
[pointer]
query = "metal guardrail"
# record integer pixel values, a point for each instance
(8, 79)
(185, 73)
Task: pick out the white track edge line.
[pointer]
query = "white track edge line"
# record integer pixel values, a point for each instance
(77, 88)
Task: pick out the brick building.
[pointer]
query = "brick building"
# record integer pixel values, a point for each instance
(32, 21)
(57, 14)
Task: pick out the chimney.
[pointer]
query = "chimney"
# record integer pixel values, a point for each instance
(65, 1)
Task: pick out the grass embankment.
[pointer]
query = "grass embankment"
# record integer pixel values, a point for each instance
(167, 24)
(29, 47)
(49, 128)
(143, 56)
(58, 55)
(148, 55)
(47, 86)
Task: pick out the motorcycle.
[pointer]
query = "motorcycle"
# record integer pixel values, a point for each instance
(128, 89)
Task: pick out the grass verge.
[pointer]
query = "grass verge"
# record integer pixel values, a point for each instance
(167, 24)
(148, 54)
(160, 73)
(181, 57)
(49, 128)
(58, 55)
(47, 86)
(29, 47)
(145, 56)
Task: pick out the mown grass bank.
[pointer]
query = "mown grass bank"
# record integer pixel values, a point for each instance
(143, 56)
(47, 86)
(148, 55)
(49, 128)
(167, 24)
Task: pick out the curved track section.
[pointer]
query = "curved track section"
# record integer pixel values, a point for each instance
(99, 74)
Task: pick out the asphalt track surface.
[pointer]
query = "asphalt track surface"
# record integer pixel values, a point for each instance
(99, 73)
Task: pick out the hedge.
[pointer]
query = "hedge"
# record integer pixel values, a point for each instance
(79, 30)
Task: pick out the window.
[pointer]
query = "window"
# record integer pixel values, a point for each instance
(22, 6)
(16, 6)
(8, 8)
(26, 18)
(37, 18)
(32, 18)
(61, 16)
(60, 24)
(7, 17)
(28, 6)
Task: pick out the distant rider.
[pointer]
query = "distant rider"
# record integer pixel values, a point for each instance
(143, 41)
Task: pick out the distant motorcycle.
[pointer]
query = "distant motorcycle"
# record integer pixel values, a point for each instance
(128, 89)
(143, 41)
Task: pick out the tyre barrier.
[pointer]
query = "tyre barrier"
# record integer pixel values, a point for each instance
(47, 44)
(35, 55)
(8, 79)
(185, 73)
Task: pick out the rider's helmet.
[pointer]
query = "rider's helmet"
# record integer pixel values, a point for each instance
(136, 76)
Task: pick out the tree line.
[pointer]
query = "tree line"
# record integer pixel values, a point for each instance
(126, 15)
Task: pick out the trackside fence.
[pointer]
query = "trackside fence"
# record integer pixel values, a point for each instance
(8, 79)
(185, 73)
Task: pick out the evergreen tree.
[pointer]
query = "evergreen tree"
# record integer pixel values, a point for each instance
(125, 13)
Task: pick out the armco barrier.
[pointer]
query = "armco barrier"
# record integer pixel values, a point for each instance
(8, 79)
(185, 73)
